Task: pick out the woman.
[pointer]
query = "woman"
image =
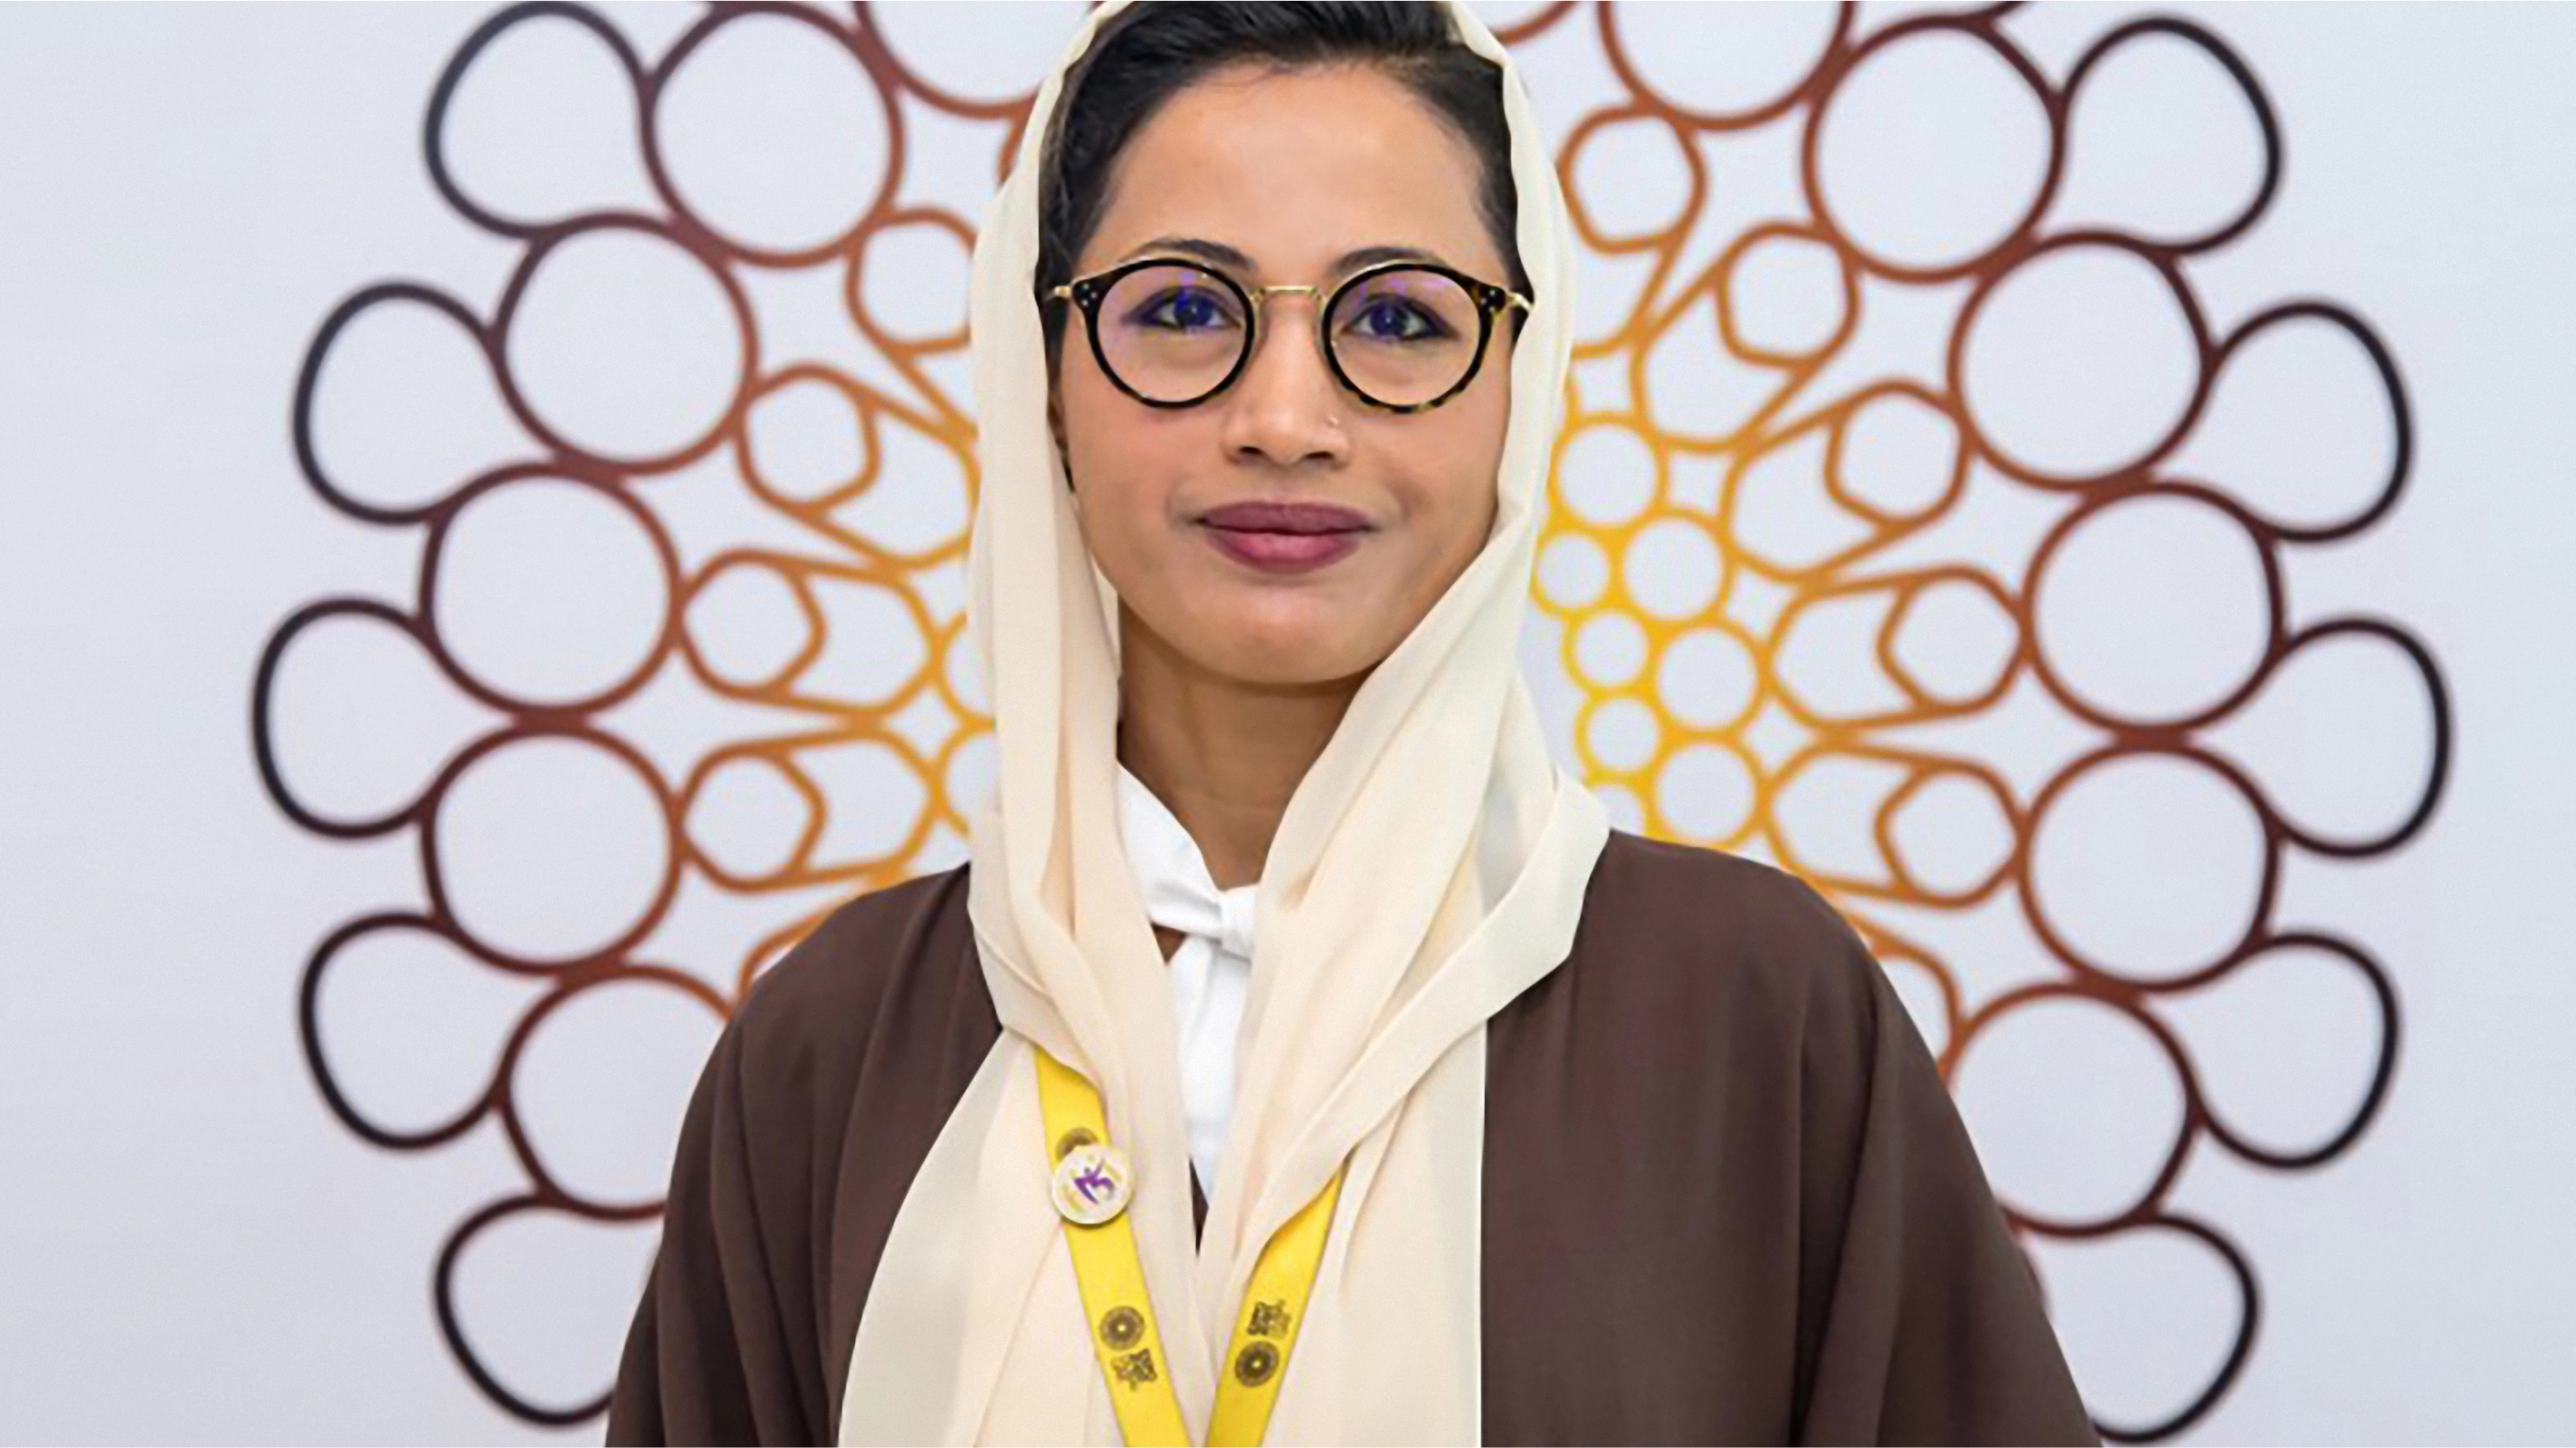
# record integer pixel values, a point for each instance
(1301, 1057)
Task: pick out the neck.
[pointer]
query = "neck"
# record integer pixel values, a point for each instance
(1222, 754)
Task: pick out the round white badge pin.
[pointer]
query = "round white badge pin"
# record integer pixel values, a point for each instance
(1093, 1183)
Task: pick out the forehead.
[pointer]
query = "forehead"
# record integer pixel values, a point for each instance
(1297, 169)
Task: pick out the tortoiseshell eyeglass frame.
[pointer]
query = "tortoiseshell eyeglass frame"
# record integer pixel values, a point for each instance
(1087, 292)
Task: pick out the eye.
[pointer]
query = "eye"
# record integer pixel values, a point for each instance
(1406, 308)
(1386, 319)
(1186, 309)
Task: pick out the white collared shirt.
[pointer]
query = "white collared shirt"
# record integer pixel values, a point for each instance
(1208, 971)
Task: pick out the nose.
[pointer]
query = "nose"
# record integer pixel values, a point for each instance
(1286, 408)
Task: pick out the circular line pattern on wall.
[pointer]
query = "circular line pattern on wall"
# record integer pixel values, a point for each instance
(1895, 416)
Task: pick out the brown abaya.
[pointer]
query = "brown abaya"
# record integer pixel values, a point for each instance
(1727, 1198)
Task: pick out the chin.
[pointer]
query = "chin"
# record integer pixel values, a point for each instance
(1272, 654)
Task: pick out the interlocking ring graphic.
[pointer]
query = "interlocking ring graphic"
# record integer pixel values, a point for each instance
(1892, 427)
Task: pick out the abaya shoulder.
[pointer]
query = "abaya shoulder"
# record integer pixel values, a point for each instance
(1726, 1197)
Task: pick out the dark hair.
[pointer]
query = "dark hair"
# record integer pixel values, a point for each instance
(1153, 50)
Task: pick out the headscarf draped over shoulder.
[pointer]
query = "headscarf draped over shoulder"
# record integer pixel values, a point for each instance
(1430, 867)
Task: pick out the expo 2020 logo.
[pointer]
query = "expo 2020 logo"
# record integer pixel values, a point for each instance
(1917, 526)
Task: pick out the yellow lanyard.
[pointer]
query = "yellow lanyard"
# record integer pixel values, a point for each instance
(1123, 1335)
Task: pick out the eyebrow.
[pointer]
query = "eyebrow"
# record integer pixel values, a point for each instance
(1227, 256)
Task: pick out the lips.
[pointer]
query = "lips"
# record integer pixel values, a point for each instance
(1297, 518)
(1282, 537)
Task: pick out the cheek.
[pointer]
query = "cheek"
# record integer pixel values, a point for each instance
(1470, 458)
(1124, 470)
(1449, 503)
(1097, 444)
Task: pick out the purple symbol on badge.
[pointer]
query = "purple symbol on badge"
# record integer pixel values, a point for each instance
(1095, 1184)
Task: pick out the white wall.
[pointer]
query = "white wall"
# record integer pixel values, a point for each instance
(192, 1247)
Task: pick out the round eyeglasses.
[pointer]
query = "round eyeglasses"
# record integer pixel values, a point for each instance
(1403, 336)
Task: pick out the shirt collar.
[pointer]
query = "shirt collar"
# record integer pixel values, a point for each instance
(1172, 872)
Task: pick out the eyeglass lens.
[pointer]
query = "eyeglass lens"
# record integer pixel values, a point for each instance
(1403, 336)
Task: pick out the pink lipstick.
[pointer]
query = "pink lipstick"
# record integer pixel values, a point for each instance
(1285, 537)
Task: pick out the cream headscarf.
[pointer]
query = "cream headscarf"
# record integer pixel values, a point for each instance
(1430, 867)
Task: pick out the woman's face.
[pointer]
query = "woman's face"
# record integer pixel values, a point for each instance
(1293, 170)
